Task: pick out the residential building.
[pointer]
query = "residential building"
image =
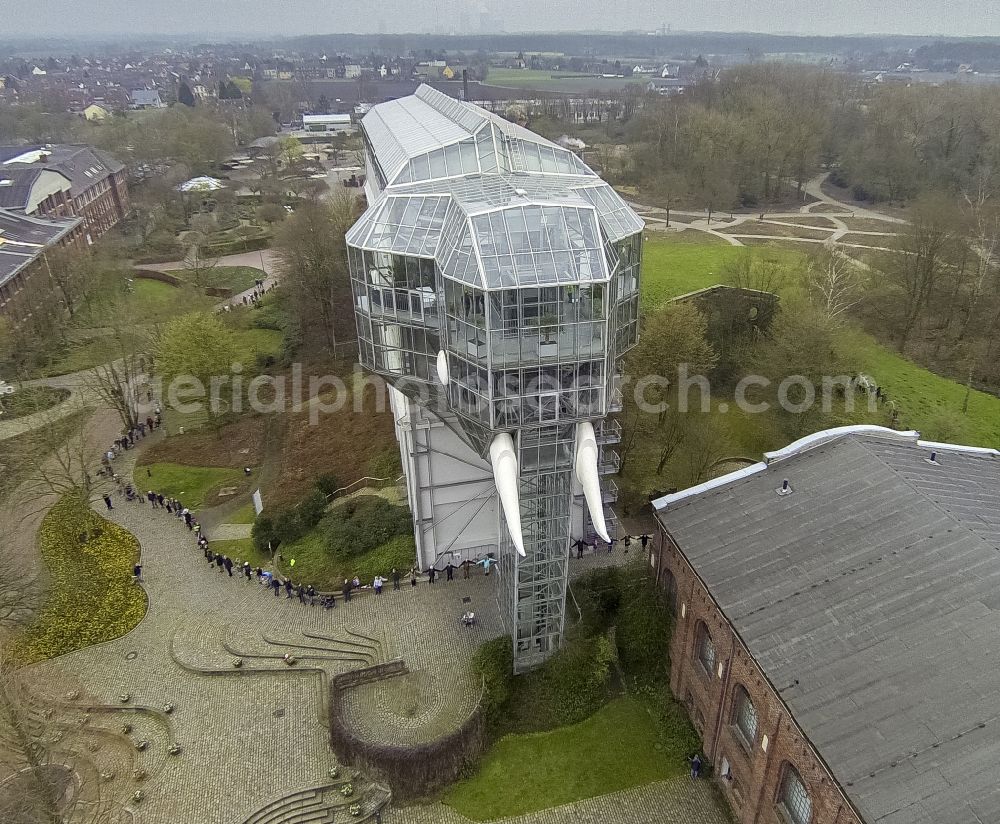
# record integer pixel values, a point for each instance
(495, 282)
(96, 112)
(837, 627)
(98, 185)
(146, 99)
(23, 242)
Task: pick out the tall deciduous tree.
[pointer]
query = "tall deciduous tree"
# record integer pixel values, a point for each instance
(312, 256)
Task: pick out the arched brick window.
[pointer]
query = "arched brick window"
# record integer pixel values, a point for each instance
(670, 587)
(705, 648)
(794, 797)
(744, 715)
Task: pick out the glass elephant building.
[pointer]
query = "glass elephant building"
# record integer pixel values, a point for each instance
(496, 282)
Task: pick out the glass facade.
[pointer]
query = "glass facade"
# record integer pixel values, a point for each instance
(507, 254)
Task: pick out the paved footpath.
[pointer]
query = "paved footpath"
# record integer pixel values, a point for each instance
(247, 736)
(677, 801)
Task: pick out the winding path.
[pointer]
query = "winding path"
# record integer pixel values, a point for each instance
(723, 228)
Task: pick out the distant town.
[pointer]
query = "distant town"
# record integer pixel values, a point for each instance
(345, 74)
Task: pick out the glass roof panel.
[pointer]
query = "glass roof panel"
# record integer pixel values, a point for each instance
(408, 225)
(532, 244)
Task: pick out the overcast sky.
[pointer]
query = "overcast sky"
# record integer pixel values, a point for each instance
(286, 17)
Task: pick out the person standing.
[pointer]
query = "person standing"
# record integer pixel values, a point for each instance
(449, 571)
(413, 576)
(137, 572)
(229, 566)
(107, 501)
(431, 574)
(645, 540)
(695, 766)
(377, 584)
(579, 544)
(347, 590)
(288, 588)
(466, 566)
(626, 542)
(395, 578)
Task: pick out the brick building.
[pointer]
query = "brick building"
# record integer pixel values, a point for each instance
(98, 188)
(836, 636)
(24, 239)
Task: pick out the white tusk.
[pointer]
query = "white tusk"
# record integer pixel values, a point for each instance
(586, 474)
(504, 460)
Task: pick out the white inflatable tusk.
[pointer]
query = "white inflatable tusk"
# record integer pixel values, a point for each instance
(442, 368)
(504, 460)
(586, 474)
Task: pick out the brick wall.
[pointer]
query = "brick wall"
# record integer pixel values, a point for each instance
(755, 769)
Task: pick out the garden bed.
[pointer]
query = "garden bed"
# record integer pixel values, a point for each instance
(30, 400)
(92, 597)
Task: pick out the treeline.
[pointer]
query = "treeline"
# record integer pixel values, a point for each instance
(199, 137)
(759, 132)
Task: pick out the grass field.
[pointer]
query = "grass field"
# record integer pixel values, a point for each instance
(236, 278)
(675, 265)
(614, 749)
(192, 485)
(315, 564)
(255, 342)
(150, 301)
(241, 549)
(243, 515)
(671, 268)
(30, 400)
(927, 402)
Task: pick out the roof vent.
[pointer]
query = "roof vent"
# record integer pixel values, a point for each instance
(785, 488)
(933, 459)
(521, 192)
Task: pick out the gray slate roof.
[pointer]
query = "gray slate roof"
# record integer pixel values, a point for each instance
(83, 165)
(870, 597)
(15, 185)
(23, 238)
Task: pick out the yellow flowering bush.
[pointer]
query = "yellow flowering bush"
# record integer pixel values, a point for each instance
(91, 597)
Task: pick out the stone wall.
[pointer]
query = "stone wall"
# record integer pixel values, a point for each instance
(412, 771)
(751, 773)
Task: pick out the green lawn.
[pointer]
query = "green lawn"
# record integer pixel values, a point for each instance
(259, 341)
(78, 356)
(236, 278)
(928, 402)
(614, 749)
(925, 401)
(315, 564)
(675, 267)
(244, 515)
(241, 548)
(192, 485)
(149, 301)
(29, 400)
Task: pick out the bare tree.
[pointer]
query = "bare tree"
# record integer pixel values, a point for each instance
(197, 263)
(835, 282)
